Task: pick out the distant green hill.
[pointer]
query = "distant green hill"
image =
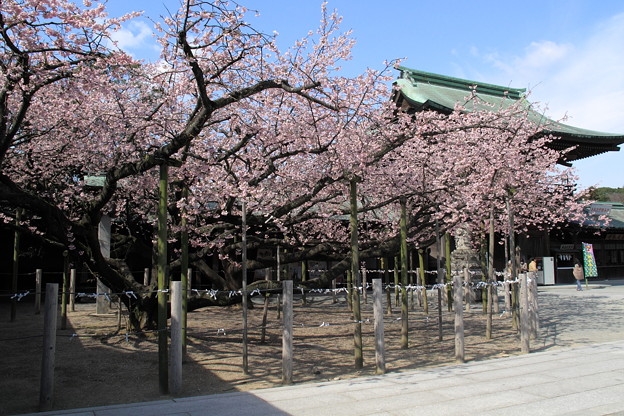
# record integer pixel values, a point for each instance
(607, 194)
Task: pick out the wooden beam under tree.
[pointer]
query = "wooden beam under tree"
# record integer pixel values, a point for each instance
(355, 262)
(163, 365)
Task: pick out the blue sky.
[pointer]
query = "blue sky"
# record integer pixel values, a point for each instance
(568, 53)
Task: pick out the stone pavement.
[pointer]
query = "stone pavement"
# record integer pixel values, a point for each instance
(575, 371)
(586, 380)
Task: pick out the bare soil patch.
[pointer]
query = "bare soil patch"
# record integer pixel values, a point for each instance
(98, 365)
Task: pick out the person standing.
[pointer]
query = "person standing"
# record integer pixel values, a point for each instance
(533, 268)
(579, 275)
(533, 265)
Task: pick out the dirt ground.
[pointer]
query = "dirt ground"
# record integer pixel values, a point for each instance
(98, 365)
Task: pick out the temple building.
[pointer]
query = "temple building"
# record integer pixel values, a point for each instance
(420, 91)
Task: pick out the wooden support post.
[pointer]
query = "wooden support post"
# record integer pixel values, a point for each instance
(512, 239)
(265, 309)
(185, 295)
(46, 391)
(355, 264)
(507, 287)
(146, 276)
(468, 292)
(524, 314)
(488, 325)
(380, 354)
(440, 313)
(350, 290)
(15, 272)
(177, 320)
(419, 285)
(423, 280)
(404, 320)
(439, 278)
(364, 284)
(396, 281)
(103, 300)
(119, 313)
(458, 294)
(72, 290)
(278, 275)
(514, 306)
(333, 285)
(304, 278)
(410, 273)
(287, 336)
(404, 278)
(163, 356)
(448, 272)
(534, 308)
(245, 306)
(65, 291)
(386, 273)
(185, 277)
(491, 276)
(357, 332)
(495, 297)
(38, 280)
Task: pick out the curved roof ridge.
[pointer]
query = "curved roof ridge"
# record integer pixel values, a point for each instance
(464, 84)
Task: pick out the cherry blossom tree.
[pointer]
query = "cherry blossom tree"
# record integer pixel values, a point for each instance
(73, 107)
(243, 121)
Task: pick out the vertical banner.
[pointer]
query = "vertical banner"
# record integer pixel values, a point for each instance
(589, 261)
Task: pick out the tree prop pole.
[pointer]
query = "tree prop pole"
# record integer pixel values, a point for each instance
(355, 262)
(72, 290)
(350, 290)
(38, 281)
(245, 306)
(411, 278)
(278, 275)
(525, 326)
(396, 281)
(177, 347)
(459, 315)
(488, 327)
(404, 282)
(448, 277)
(386, 273)
(265, 310)
(423, 279)
(439, 269)
(184, 272)
(380, 354)
(287, 335)
(304, 277)
(64, 296)
(512, 240)
(46, 391)
(163, 366)
(16, 248)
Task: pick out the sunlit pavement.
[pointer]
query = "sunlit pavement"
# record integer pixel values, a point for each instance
(574, 371)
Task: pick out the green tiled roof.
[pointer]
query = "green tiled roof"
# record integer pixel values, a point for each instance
(426, 91)
(446, 91)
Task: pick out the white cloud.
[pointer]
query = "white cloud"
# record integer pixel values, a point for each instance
(136, 38)
(544, 54)
(584, 81)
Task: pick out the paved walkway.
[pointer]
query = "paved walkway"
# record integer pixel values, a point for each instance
(586, 380)
(569, 376)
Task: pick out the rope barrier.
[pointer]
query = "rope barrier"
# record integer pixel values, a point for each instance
(214, 293)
